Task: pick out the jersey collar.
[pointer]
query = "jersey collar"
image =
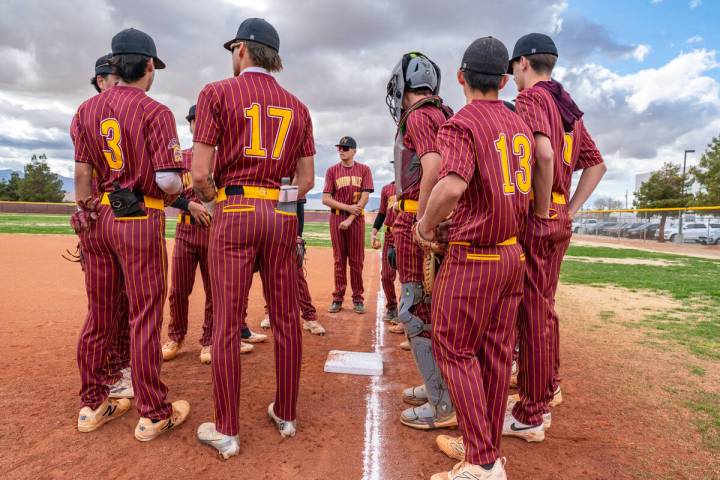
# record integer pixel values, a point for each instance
(255, 70)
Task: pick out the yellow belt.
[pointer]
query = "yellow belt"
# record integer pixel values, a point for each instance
(150, 202)
(185, 218)
(260, 193)
(409, 206)
(557, 198)
(504, 243)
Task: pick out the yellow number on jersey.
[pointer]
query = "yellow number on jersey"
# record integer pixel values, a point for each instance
(520, 148)
(110, 130)
(256, 149)
(567, 148)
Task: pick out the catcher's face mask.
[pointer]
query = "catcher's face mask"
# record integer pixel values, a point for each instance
(414, 71)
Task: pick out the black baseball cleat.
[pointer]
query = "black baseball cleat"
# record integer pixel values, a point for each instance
(358, 307)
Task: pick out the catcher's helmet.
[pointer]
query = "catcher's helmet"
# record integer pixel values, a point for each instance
(414, 71)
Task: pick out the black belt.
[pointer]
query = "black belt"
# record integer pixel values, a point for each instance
(234, 190)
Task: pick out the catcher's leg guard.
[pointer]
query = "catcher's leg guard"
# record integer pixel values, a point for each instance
(437, 391)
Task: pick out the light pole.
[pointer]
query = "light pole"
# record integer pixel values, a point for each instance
(680, 236)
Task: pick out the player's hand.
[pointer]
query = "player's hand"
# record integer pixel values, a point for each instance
(354, 210)
(427, 239)
(542, 213)
(345, 224)
(375, 242)
(200, 213)
(86, 215)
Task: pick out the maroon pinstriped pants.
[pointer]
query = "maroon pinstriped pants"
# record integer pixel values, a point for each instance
(388, 273)
(559, 243)
(242, 230)
(535, 366)
(348, 248)
(133, 249)
(307, 309)
(191, 249)
(475, 301)
(409, 260)
(119, 354)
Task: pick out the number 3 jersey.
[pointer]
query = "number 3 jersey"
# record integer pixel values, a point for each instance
(260, 130)
(126, 136)
(491, 149)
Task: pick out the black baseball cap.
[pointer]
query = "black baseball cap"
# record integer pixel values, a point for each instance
(132, 41)
(532, 44)
(191, 114)
(487, 56)
(347, 142)
(256, 30)
(102, 65)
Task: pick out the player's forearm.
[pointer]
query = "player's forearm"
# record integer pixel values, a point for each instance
(364, 197)
(431, 168)
(305, 175)
(330, 202)
(589, 180)
(83, 181)
(443, 199)
(203, 183)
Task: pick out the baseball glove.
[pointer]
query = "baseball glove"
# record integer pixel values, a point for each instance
(86, 215)
(376, 244)
(300, 250)
(75, 257)
(433, 252)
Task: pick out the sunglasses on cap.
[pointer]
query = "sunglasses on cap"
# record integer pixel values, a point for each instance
(343, 149)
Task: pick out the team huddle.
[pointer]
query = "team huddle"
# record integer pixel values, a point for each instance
(476, 225)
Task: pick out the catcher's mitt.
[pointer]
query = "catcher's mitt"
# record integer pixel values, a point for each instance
(300, 250)
(431, 263)
(433, 250)
(376, 243)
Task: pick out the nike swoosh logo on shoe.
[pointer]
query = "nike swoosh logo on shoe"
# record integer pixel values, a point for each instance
(520, 429)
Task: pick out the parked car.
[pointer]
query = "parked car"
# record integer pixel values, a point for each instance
(582, 226)
(713, 235)
(607, 228)
(627, 226)
(595, 229)
(691, 232)
(613, 230)
(647, 231)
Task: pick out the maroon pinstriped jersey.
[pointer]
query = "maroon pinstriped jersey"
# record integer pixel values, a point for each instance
(260, 129)
(420, 131)
(492, 149)
(573, 150)
(126, 136)
(346, 184)
(387, 199)
(188, 191)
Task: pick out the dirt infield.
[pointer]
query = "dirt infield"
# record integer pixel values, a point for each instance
(620, 418)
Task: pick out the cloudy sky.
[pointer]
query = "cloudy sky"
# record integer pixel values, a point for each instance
(646, 75)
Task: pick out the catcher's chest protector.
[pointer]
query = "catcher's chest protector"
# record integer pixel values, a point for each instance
(408, 170)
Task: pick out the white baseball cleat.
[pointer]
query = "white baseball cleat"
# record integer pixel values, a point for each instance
(415, 396)
(90, 420)
(265, 323)
(557, 397)
(515, 428)
(246, 347)
(287, 428)
(255, 337)
(122, 389)
(206, 354)
(226, 445)
(468, 471)
(314, 327)
(451, 446)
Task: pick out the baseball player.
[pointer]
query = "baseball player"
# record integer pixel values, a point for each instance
(264, 138)
(348, 185)
(129, 141)
(308, 312)
(386, 216)
(117, 370)
(412, 97)
(485, 177)
(563, 146)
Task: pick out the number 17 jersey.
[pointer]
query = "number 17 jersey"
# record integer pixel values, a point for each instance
(492, 150)
(260, 130)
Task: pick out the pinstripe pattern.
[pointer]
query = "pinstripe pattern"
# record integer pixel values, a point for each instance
(545, 242)
(479, 286)
(420, 130)
(129, 249)
(236, 239)
(239, 239)
(191, 250)
(388, 273)
(307, 309)
(134, 250)
(346, 184)
(119, 354)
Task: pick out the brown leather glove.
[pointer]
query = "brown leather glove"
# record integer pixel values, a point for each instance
(81, 220)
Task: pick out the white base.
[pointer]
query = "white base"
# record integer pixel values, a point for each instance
(354, 363)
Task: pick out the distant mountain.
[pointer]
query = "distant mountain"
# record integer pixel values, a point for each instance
(315, 202)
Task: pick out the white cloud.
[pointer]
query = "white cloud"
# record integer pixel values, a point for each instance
(640, 52)
(655, 2)
(695, 39)
(695, 3)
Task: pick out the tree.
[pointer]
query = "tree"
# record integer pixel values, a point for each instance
(39, 184)
(9, 189)
(664, 189)
(707, 174)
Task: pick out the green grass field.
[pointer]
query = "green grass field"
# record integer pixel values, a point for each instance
(315, 234)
